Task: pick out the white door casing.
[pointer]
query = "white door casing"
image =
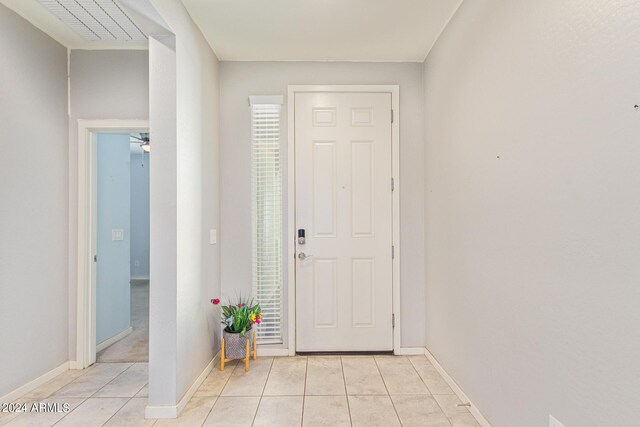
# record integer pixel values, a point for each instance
(343, 191)
(86, 231)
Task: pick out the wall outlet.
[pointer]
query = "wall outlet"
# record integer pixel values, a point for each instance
(117, 234)
(213, 237)
(554, 423)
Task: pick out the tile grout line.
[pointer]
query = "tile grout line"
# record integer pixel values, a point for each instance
(432, 395)
(385, 387)
(67, 414)
(344, 381)
(87, 398)
(304, 388)
(91, 397)
(132, 397)
(215, 400)
(219, 394)
(119, 409)
(420, 376)
(51, 395)
(114, 378)
(262, 392)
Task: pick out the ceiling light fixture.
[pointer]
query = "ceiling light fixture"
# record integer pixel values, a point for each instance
(145, 142)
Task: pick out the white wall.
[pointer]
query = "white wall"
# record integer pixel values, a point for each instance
(532, 206)
(185, 133)
(33, 206)
(163, 229)
(113, 290)
(140, 165)
(105, 84)
(241, 79)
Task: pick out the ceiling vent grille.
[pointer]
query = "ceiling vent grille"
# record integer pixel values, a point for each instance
(95, 20)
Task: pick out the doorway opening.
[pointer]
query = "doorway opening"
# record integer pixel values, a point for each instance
(113, 247)
(122, 240)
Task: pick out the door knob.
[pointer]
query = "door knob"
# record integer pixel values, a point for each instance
(302, 256)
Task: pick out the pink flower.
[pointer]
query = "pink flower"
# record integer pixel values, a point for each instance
(215, 301)
(258, 320)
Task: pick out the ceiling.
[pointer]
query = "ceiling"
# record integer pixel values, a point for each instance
(261, 30)
(332, 30)
(82, 24)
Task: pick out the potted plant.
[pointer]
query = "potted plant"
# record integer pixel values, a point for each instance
(238, 319)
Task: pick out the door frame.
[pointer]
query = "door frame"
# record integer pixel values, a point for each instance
(394, 90)
(86, 231)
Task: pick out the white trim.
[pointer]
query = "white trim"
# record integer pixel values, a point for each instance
(85, 319)
(12, 396)
(291, 221)
(173, 411)
(410, 351)
(117, 337)
(291, 201)
(160, 412)
(457, 390)
(74, 364)
(272, 352)
(266, 99)
(139, 278)
(369, 61)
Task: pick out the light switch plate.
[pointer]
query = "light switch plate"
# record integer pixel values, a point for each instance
(117, 234)
(213, 237)
(554, 423)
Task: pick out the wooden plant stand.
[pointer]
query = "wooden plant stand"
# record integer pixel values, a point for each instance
(254, 353)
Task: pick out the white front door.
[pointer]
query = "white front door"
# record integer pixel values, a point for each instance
(344, 205)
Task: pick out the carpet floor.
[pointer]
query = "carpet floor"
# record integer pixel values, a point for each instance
(135, 346)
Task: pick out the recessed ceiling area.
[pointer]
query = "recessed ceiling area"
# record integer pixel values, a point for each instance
(330, 30)
(82, 24)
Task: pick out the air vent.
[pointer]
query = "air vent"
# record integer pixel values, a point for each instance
(95, 20)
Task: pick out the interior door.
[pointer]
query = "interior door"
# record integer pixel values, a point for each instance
(344, 205)
(113, 215)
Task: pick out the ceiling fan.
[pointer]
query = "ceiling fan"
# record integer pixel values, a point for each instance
(145, 142)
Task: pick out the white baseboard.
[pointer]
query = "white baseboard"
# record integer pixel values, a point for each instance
(272, 352)
(457, 390)
(161, 412)
(139, 278)
(152, 412)
(410, 351)
(106, 343)
(12, 396)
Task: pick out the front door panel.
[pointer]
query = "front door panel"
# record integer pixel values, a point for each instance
(344, 204)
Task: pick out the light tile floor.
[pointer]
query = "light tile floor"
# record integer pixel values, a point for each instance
(287, 391)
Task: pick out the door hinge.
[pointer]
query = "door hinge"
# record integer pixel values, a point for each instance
(393, 320)
(391, 116)
(393, 252)
(95, 258)
(393, 184)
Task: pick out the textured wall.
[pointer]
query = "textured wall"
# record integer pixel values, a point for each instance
(185, 331)
(532, 206)
(33, 202)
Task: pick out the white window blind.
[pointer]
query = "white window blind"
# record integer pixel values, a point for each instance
(266, 209)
